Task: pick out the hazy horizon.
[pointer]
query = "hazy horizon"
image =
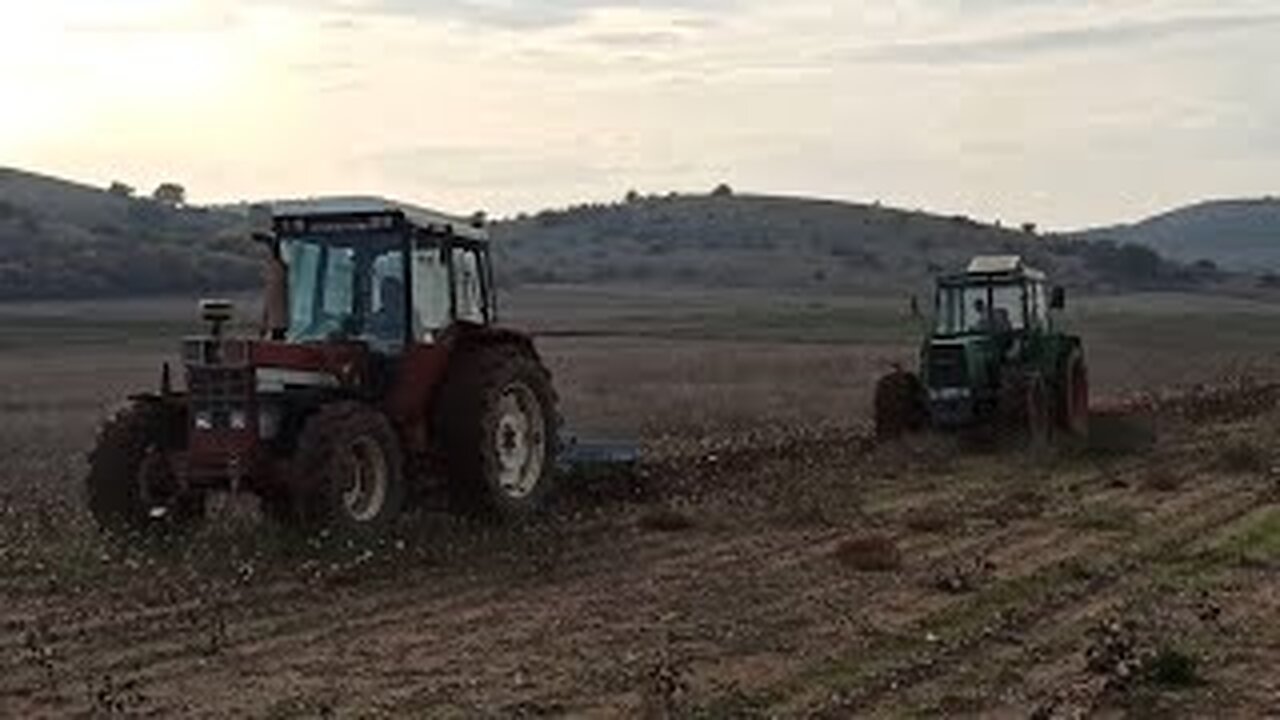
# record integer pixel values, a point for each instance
(1066, 114)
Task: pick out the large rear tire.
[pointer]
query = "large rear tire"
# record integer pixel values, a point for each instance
(1024, 412)
(500, 431)
(349, 471)
(1074, 400)
(132, 488)
(899, 405)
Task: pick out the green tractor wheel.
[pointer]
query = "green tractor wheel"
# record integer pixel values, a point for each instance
(1073, 415)
(1025, 410)
(899, 405)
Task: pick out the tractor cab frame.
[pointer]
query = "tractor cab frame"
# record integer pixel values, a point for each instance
(995, 296)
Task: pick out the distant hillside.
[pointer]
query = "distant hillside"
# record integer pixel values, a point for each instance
(62, 239)
(1236, 234)
(781, 242)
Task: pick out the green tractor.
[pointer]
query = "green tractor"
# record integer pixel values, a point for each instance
(993, 361)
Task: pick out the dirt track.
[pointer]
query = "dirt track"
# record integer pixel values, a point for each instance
(729, 586)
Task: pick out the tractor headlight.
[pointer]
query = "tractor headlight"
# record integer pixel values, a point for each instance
(268, 423)
(204, 420)
(950, 394)
(237, 420)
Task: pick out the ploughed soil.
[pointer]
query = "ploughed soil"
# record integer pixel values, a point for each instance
(778, 572)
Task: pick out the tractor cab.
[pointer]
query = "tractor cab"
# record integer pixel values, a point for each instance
(996, 296)
(381, 273)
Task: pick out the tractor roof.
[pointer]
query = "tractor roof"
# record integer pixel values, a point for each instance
(369, 205)
(994, 268)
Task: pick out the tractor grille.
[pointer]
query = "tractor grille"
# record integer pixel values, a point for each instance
(218, 391)
(947, 367)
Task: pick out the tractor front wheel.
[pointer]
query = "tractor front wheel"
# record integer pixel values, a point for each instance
(131, 484)
(500, 431)
(899, 405)
(348, 471)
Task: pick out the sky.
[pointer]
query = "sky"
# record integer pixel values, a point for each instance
(1067, 113)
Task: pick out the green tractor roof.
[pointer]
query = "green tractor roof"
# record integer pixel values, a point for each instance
(993, 268)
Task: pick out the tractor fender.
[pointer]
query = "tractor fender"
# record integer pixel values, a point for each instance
(413, 400)
(469, 336)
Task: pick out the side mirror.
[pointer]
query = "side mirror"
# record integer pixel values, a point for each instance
(1058, 300)
(260, 221)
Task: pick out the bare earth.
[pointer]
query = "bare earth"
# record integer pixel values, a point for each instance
(770, 560)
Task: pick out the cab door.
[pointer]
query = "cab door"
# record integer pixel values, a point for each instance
(426, 356)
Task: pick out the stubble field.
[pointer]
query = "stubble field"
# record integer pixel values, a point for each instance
(769, 560)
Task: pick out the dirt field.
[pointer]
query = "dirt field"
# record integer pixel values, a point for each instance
(769, 562)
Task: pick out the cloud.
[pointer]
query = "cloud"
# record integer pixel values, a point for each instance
(1014, 47)
(634, 39)
(517, 14)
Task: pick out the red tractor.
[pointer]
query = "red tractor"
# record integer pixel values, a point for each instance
(384, 376)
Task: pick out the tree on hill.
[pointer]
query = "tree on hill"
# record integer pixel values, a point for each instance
(171, 194)
(120, 189)
(722, 190)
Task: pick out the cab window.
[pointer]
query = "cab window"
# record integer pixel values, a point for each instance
(430, 292)
(468, 286)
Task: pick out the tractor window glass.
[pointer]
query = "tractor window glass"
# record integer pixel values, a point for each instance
(430, 293)
(962, 310)
(339, 283)
(1039, 306)
(467, 285)
(386, 325)
(979, 309)
(303, 262)
(1007, 310)
(321, 290)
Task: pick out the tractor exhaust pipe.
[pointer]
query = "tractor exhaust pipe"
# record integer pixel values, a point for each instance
(217, 313)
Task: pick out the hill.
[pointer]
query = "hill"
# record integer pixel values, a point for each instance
(1236, 234)
(64, 239)
(784, 242)
(60, 239)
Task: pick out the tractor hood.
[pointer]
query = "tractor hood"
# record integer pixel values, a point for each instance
(956, 363)
(277, 365)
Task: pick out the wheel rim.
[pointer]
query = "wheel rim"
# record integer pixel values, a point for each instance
(519, 441)
(367, 473)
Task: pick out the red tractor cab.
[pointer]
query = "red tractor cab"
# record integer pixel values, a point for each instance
(385, 376)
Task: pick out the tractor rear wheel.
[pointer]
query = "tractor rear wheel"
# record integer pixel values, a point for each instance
(1074, 401)
(500, 429)
(899, 405)
(1024, 410)
(349, 469)
(131, 483)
